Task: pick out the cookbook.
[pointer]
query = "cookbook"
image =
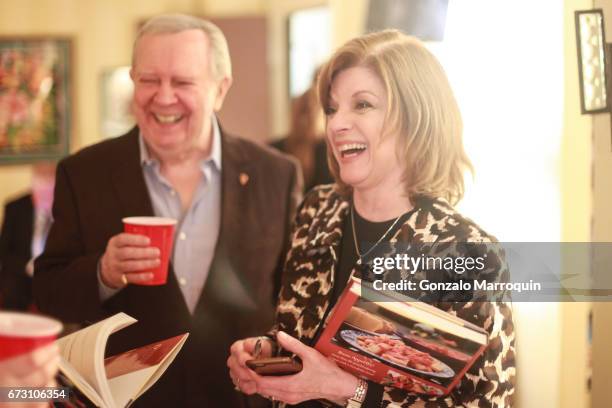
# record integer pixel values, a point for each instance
(391, 339)
(117, 381)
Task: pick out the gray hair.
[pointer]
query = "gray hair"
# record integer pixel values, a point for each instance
(221, 65)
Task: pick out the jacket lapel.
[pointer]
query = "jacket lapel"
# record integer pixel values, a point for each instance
(327, 231)
(231, 252)
(323, 241)
(235, 176)
(128, 180)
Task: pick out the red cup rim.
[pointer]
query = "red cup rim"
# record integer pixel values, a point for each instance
(15, 324)
(149, 221)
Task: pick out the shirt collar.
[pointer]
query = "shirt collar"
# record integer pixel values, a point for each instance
(215, 151)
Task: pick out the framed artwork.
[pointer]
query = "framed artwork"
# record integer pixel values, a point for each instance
(308, 49)
(591, 47)
(35, 98)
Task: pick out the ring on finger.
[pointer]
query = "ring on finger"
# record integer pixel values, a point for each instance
(124, 279)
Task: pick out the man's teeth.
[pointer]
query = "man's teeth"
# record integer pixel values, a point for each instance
(352, 146)
(168, 118)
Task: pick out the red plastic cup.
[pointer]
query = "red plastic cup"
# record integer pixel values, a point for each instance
(160, 231)
(21, 333)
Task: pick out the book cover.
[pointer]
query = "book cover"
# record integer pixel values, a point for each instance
(140, 358)
(394, 340)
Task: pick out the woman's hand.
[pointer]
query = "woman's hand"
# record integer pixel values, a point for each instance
(240, 352)
(319, 379)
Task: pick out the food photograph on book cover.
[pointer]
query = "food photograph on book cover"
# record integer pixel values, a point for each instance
(414, 349)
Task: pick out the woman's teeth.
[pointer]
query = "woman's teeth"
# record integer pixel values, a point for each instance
(352, 149)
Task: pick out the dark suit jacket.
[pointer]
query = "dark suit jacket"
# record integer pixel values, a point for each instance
(99, 186)
(15, 252)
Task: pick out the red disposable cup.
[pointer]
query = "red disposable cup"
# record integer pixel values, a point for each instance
(21, 333)
(160, 231)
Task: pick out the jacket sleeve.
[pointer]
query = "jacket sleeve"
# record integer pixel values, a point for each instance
(65, 280)
(285, 310)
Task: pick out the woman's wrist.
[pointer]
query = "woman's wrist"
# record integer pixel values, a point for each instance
(346, 389)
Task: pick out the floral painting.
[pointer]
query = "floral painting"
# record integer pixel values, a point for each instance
(34, 99)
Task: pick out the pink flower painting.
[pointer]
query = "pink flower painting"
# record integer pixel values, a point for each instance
(34, 98)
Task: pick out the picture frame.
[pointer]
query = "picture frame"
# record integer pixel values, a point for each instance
(307, 49)
(592, 64)
(35, 98)
(116, 91)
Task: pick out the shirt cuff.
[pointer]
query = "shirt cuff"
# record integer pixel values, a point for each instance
(104, 291)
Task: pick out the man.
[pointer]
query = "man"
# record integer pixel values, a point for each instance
(233, 201)
(24, 231)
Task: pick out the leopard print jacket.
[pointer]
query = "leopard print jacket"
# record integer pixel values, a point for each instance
(308, 281)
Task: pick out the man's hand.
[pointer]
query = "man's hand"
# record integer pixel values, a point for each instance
(126, 255)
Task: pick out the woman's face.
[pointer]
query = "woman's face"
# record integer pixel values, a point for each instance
(355, 121)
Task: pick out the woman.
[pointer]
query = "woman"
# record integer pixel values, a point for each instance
(395, 149)
(305, 141)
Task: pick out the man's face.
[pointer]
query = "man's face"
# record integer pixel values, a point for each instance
(175, 94)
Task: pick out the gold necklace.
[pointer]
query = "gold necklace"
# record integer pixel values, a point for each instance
(383, 236)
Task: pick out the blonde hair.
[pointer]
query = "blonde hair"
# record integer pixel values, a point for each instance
(221, 64)
(422, 111)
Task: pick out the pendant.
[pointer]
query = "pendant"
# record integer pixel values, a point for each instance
(359, 261)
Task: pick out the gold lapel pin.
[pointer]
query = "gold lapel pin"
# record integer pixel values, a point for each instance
(244, 179)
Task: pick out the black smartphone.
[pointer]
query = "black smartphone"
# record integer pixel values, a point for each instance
(275, 365)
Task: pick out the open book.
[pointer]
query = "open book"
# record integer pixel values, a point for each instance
(117, 381)
(394, 340)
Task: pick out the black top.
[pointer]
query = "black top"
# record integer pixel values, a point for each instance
(368, 233)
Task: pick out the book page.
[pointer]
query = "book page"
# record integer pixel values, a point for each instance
(79, 382)
(123, 387)
(84, 350)
(131, 373)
